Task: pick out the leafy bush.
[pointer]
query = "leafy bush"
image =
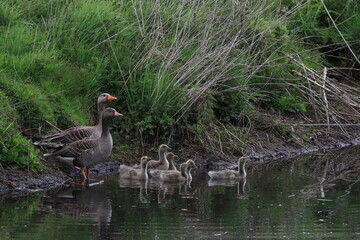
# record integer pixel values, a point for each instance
(19, 153)
(289, 103)
(314, 24)
(177, 67)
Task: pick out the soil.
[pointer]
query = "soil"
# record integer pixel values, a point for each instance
(265, 145)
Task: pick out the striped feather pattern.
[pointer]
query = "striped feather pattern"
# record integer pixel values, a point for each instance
(76, 148)
(73, 134)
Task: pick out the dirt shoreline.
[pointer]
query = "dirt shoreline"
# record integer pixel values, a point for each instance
(19, 183)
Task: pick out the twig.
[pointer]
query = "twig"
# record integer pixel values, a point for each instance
(325, 99)
(53, 126)
(337, 29)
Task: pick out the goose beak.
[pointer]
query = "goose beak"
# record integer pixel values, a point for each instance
(110, 98)
(117, 114)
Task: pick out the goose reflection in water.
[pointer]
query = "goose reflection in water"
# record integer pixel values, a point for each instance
(89, 203)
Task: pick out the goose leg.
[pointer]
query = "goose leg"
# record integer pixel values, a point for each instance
(85, 173)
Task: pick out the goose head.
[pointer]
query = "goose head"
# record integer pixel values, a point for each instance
(105, 98)
(110, 113)
(106, 116)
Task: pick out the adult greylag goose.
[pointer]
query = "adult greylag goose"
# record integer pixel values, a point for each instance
(88, 152)
(80, 132)
(162, 163)
(155, 173)
(230, 174)
(176, 176)
(133, 173)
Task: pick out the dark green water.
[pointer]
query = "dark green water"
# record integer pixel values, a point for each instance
(278, 201)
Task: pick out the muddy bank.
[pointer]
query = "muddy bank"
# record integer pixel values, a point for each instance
(265, 149)
(19, 183)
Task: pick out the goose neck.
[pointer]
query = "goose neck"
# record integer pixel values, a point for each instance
(100, 108)
(183, 170)
(105, 127)
(162, 156)
(144, 169)
(241, 167)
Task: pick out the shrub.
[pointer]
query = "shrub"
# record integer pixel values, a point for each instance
(19, 153)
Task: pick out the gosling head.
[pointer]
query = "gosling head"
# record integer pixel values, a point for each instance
(164, 148)
(243, 160)
(145, 159)
(170, 156)
(190, 163)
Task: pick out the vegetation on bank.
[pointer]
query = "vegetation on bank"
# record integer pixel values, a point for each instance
(182, 70)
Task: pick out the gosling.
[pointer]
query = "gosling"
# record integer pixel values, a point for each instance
(134, 173)
(155, 173)
(175, 176)
(230, 174)
(162, 163)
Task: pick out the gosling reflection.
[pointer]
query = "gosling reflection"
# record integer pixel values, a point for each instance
(86, 203)
(241, 184)
(135, 183)
(241, 193)
(166, 190)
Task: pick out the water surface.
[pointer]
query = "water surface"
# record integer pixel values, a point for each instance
(294, 199)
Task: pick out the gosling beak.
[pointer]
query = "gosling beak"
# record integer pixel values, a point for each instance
(110, 98)
(117, 114)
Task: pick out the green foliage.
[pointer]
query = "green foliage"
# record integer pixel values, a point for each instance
(172, 64)
(313, 22)
(19, 153)
(15, 150)
(289, 103)
(151, 103)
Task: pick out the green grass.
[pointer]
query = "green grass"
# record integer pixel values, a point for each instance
(176, 67)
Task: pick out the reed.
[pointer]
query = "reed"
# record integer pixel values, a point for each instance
(182, 70)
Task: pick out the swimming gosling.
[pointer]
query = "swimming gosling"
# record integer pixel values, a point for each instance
(133, 173)
(155, 173)
(162, 163)
(176, 176)
(230, 174)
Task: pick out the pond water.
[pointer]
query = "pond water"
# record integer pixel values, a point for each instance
(290, 199)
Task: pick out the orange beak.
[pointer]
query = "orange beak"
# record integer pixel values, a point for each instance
(117, 114)
(110, 98)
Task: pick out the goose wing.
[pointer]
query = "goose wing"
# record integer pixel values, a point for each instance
(70, 135)
(75, 149)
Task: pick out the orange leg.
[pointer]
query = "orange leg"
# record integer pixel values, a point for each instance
(85, 173)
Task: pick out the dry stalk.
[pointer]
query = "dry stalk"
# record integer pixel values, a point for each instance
(331, 92)
(325, 99)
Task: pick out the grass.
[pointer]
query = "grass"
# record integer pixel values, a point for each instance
(182, 71)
